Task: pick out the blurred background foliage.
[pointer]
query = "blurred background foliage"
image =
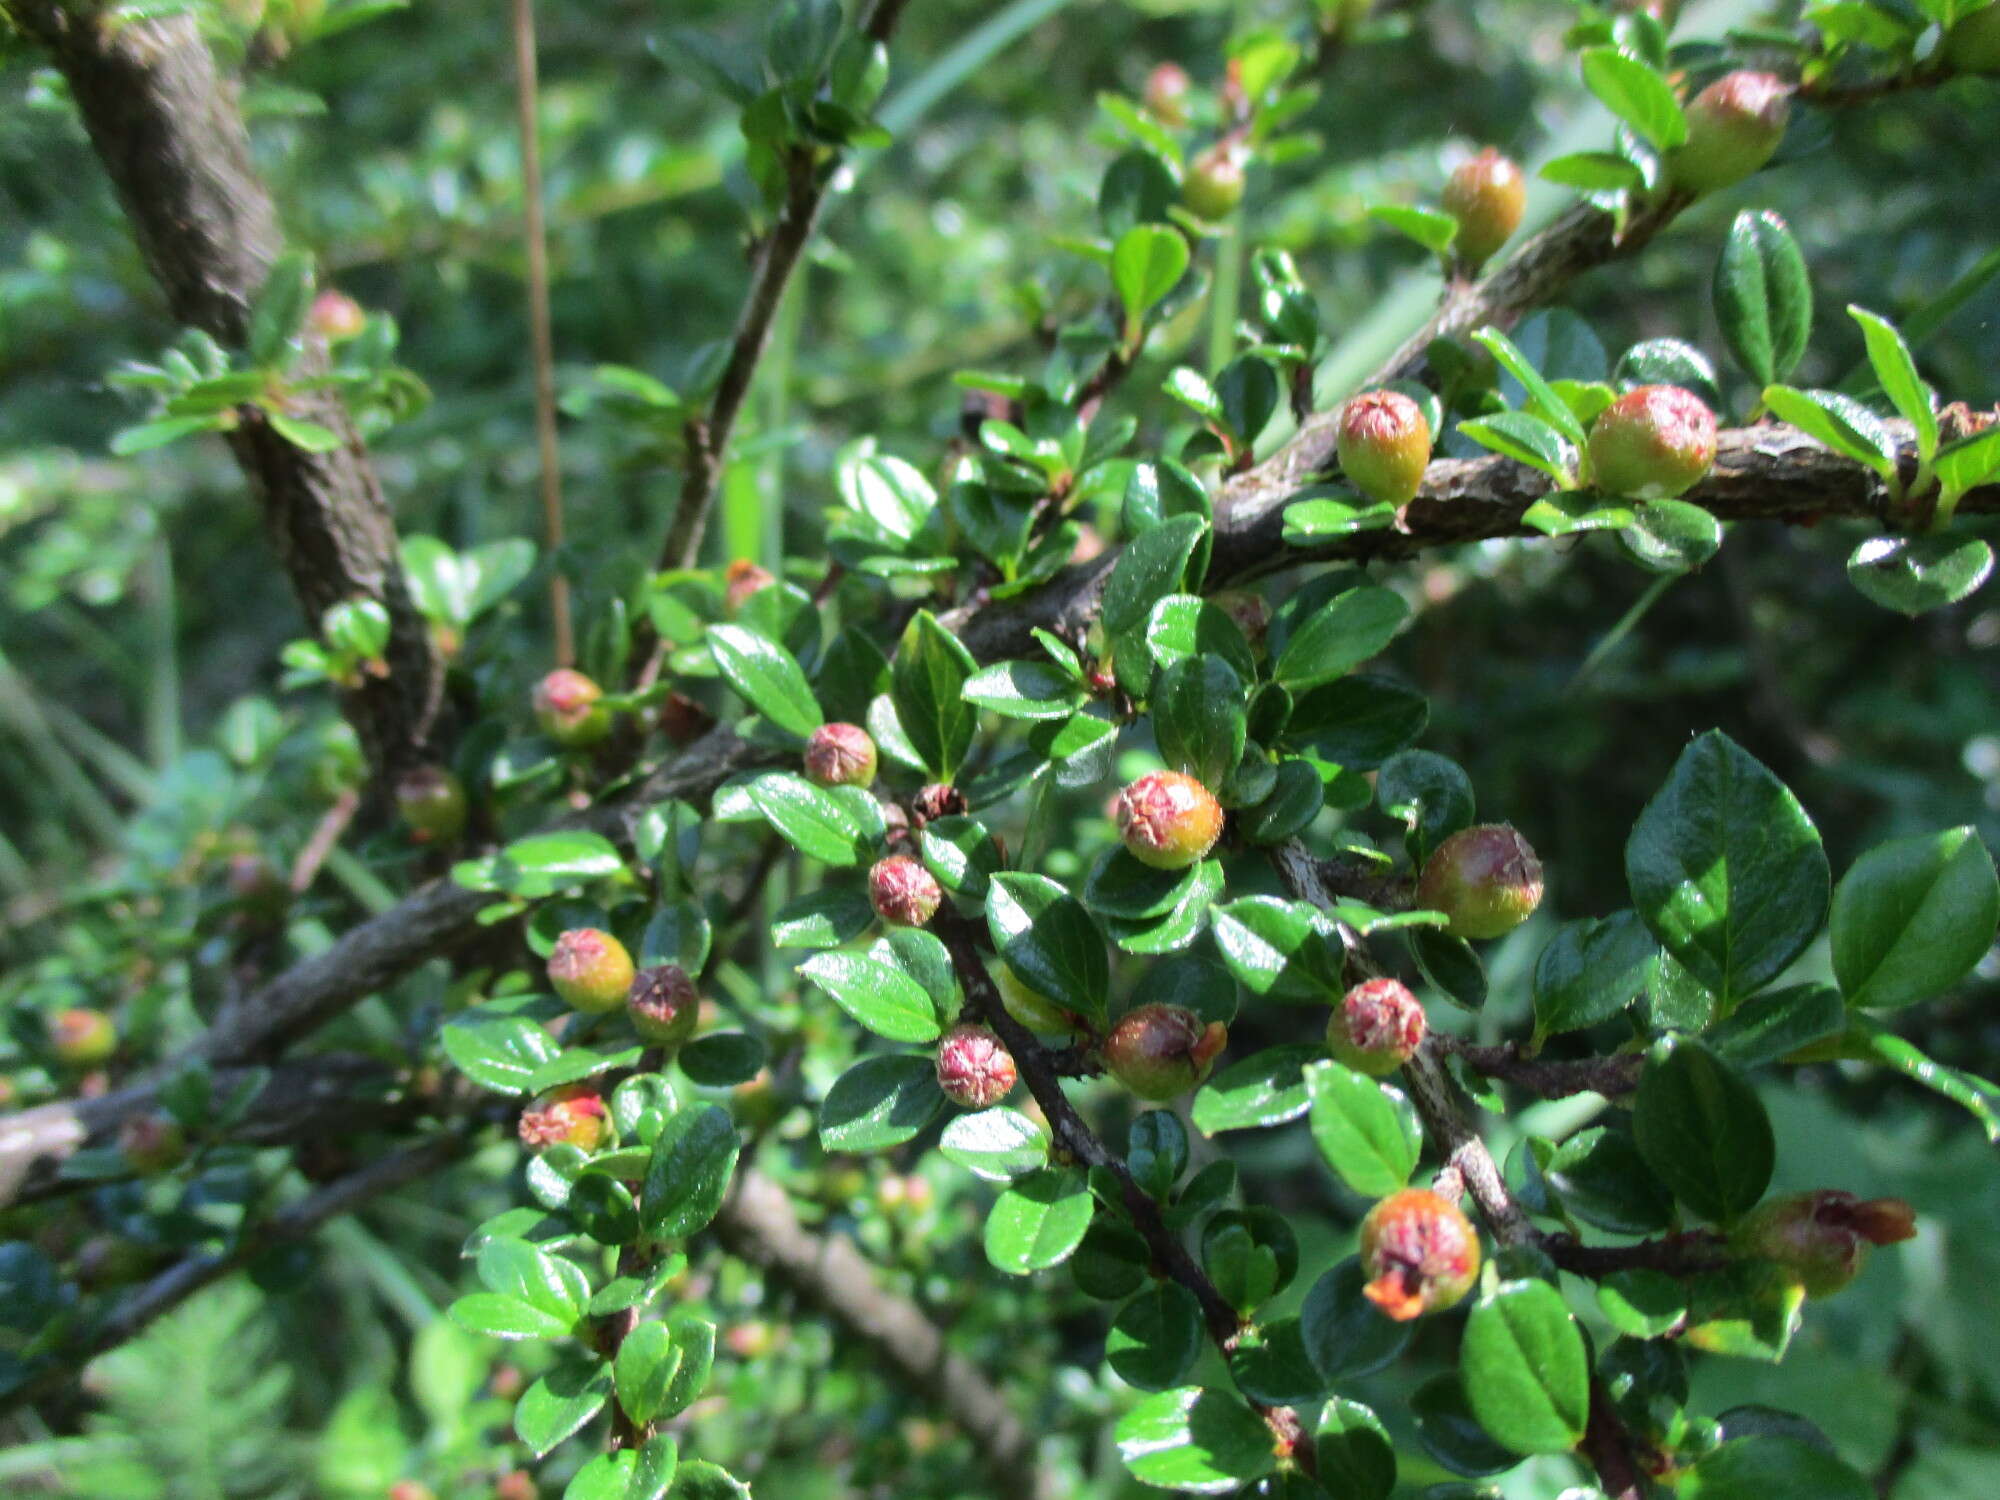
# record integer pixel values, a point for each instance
(142, 731)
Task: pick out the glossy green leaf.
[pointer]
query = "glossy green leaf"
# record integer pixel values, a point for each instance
(1297, 794)
(1039, 1221)
(1771, 1468)
(1153, 565)
(1980, 1097)
(1704, 1132)
(1345, 1334)
(514, 1268)
(1156, 1337)
(811, 819)
(1599, 1176)
(1897, 372)
(1778, 1023)
(560, 1402)
(1451, 1434)
(929, 675)
(1763, 296)
(1916, 574)
(1527, 439)
(1264, 1089)
(1269, 1364)
(767, 677)
(1145, 264)
(1590, 971)
(1030, 690)
(503, 1317)
(1525, 1372)
(1324, 518)
(542, 864)
(1427, 226)
(502, 1044)
(722, 1059)
(997, 1144)
(694, 1336)
(882, 998)
(1353, 627)
(880, 1102)
(1838, 423)
(1726, 869)
(1636, 94)
(689, 1171)
(1369, 1139)
(1047, 938)
(1542, 399)
(1200, 717)
(1182, 625)
(644, 1370)
(824, 918)
(1671, 536)
(699, 1479)
(1279, 949)
(1594, 172)
(1913, 917)
(1970, 461)
(630, 1474)
(1196, 1440)
(1430, 795)
(1360, 721)
(1356, 1459)
(279, 312)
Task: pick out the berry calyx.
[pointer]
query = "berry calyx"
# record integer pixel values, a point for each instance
(1652, 443)
(1485, 879)
(973, 1068)
(1973, 43)
(903, 892)
(1166, 94)
(81, 1038)
(1168, 819)
(1487, 196)
(590, 970)
(1035, 1010)
(1214, 182)
(741, 579)
(1733, 127)
(431, 802)
(1159, 1052)
(1419, 1252)
(1820, 1239)
(152, 1144)
(336, 317)
(1377, 1027)
(568, 711)
(664, 1005)
(1384, 444)
(573, 1115)
(840, 755)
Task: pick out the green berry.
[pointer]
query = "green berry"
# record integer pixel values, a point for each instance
(1168, 819)
(1034, 1010)
(1820, 1239)
(1487, 196)
(568, 710)
(1734, 126)
(1384, 444)
(1376, 1028)
(1159, 1052)
(840, 755)
(591, 970)
(974, 1069)
(431, 802)
(1419, 1252)
(1485, 879)
(1213, 186)
(1652, 443)
(664, 1005)
(82, 1038)
(903, 892)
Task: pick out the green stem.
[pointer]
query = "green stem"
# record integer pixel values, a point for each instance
(1626, 624)
(1224, 298)
(163, 689)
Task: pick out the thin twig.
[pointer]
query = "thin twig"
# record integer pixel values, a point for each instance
(1550, 1078)
(305, 869)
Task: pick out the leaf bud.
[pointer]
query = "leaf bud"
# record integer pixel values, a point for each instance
(568, 710)
(1487, 195)
(1820, 1239)
(1168, 819)
(1159, 1052)
(840, 755)
(664, 1005)
(1419, 1252)
(1652, 443)
(1485, 879)
(1733, 127)
(1384, 444)
(1377, 1027)
(590, 970)
(903, 892)
(1166, 95)
(973, 1068)
(431, 802)
(573, 1115)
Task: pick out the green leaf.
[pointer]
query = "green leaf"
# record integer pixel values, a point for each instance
(767, 676)
(1590, 971)
(1039, 1221)
(1430, 795)
(824, 918)
(1279, 949)
(1763, 296)
(722, 1059)
(1047, 938)
(1704, 1132)
(542, 864)
(689, 1171)
(1193, 1439)
(1636, 94)
(503, 1044)
(1978, 1096)
(812, 819)
(1264, 1089)
(1355, 625)
(309, 436)
(630, 1474)
(1778, 1023)
(1121, 886)
(1288, 810)
(1913, 917)
(1770, 1467)
(1156, 1337)
(503, 1317)
(1914, 574)
(1200, 717)
(962, 854)
(1153, 565)
(701, 1480)
(1145, 265)
(1526, 439)
(280, 310)
(1594, 172)
(1427, 226)
(1524, 1368)
(1727, 870)
(555, 1406)
(1642, 1304)
(1269, 1365)
(1326, 517)
(147, 436)
(1901, 383)
(1370, 1140)
(644, 1370)
(996, 1144)
(1542, 399)
(882, 998)
(880, 1102)
(928, 680)
(1838, 423)
(1671, 536)
(1599, 1175)
(1024, 690)
(1451, 1434)
(1345, 1334)
(514, 1268)
(1968, 462)
(1356, 1458)
(1183, 626)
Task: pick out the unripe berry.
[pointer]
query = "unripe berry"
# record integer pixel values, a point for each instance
(1485, 879)
(1487, 196)
(1973, 45)
(1821, 1239)
(1034, 1010)
(1168, 819)
(152, 1143)
(260, 892)
(1159, 1052)
(1384, 444)
(572, 1115)
(591, 970)
(82, 1038)
(431, 802)
(743, 578)
(1652, 443)
(567, 708)
(973, 1068)
(1214, 183)
(1419, 1252)
(336, 317)
(840, 755)
(903, 892)
(1377, 1027)
(664, 1005)
(1733, 127)
(1166, 94)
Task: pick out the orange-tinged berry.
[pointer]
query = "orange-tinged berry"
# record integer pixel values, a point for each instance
(840, 755)
(664, 1005)
(1821, 1239)
(568, 709)
(431, 802)
(1734, 126)
(1377, 1027)
(1214, 183)
(1159, 1052)
(573, 1115)
(1487, 195)
(591, 970)
(82, 1038)
(1384, 442)
(1485, 879)
(1168, 819)
(1419, 1252)
(1652, 443)
(1167, 88)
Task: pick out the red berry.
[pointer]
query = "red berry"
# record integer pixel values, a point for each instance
(1167, 94)
(567, 708)
(1168, 819)
(1733, 127)
(590, 970)
(973, 1068)
(1419, 1252)
(1820, 1239)
(1485, 879)
(1652, 443)
(336, 317)
(1159, 1052)
(1973, 45)
(431, 803)
(1377, 1027)
(840, 755)
(82, 1038)
(573, 1115)
(903, 892)
(1214, 183)
(1384, 444)
(664, 1005)
(152, 1143)
(1487, 196)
